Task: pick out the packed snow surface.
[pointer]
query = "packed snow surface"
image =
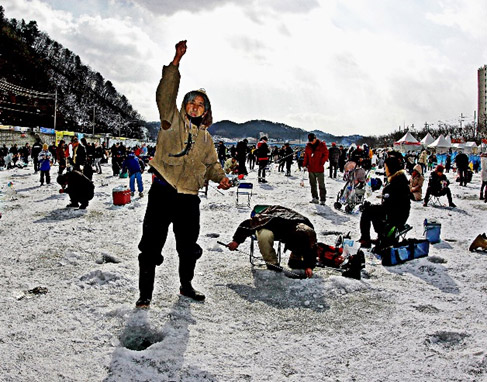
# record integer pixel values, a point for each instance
(69, 284)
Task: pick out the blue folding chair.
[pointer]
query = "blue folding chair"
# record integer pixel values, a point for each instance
(244, 189)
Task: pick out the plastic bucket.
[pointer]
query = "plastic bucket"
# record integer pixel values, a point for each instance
(432, 231)
(121, 196)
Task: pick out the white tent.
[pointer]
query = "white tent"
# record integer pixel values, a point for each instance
(458, 146)
(441, 144)
(427, 140)
(448, 139)
(471, 147)
(408, 142)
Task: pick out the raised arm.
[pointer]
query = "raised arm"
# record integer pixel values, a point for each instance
(168, 87)
(180, 51)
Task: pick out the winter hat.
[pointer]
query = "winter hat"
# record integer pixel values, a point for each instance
(45, 146)
(393, 164)
(439, 168)
(311, 137)
(418, 168)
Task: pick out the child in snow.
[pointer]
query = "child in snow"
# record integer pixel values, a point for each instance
(45, 160)
(135, 166)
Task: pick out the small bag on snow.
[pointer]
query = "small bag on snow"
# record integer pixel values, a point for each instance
(406, 250)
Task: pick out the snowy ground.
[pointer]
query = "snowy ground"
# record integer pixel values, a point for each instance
(421, 321)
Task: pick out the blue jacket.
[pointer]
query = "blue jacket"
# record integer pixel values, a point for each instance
(132, 164)
(45, 160)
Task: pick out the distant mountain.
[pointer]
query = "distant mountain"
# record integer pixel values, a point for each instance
(33, 67)
(279, 132)
(275, 131)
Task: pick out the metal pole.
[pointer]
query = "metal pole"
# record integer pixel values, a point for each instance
(94, 120)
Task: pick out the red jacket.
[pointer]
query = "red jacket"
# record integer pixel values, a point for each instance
(315, 157)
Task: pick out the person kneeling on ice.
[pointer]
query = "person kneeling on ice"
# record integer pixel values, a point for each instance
(135, 166)
(79, 188)
(395, 206)
(288, 226)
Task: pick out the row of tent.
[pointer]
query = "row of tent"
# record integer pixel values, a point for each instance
(440, 144)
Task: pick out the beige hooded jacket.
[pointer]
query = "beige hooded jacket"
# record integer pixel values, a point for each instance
(187, 173)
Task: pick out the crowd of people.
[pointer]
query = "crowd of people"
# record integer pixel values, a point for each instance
(185, 159)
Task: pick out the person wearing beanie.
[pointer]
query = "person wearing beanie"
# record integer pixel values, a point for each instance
(45, 160)
(438, 185)
(262, 154)
(416, 183)
(185, 158)
(395, 206)
(315, 157)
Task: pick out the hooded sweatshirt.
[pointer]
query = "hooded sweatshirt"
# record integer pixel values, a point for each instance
(186, 173)
(416, 182)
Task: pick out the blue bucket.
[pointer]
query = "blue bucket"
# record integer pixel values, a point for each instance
(432, 231)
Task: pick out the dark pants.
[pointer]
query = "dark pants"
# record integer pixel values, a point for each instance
(333, 169)
(36, 163)
(62, 165)
(47, 175)
(262, 166)
(241, 166)
(166, 206)
(372, 214)
(462, 172)
(445, 191)
(288, 167)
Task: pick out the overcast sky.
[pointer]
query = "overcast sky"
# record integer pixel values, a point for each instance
(344, 67)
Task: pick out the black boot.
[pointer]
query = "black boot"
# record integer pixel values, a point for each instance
(355, 265)
(146, 285)
(187, 290)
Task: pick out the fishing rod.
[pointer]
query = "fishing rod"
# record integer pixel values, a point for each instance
(286, 272)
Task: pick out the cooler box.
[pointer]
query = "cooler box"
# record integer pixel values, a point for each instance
(432, 231)
(121, 196)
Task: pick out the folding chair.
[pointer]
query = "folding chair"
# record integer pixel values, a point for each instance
(244, 188)
(391, 236)
(435, 201)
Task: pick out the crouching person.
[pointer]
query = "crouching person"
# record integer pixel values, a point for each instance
(79, 188)
(288, 226)
(134, 166)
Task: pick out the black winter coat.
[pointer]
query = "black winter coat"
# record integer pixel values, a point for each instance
(437, 184)
(461, 160)
(396, 199)
(79, 187)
